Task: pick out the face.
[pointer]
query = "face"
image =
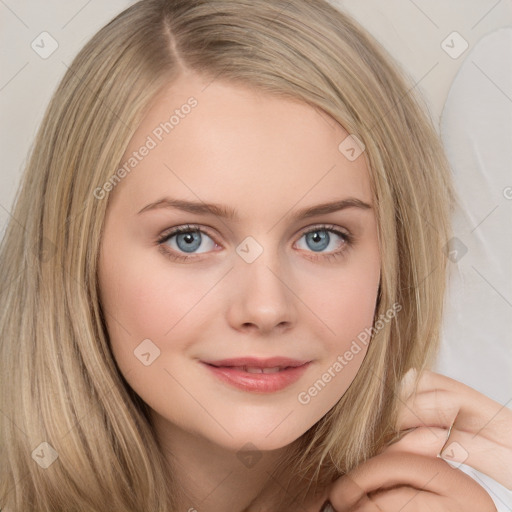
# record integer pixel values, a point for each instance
(215, 248)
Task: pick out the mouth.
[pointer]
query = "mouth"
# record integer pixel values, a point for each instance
(263, 376)
(255, 369)
(271, 363)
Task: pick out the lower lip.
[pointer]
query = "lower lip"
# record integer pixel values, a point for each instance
(259, 382)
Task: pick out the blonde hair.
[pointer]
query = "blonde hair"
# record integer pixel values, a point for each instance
(59, 382)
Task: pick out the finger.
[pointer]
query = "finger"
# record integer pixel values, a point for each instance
(437, 400)
(434, 408)
(426, 441)
(414, 383)
(481, 429)
(406, 499)
(441, 407)
(391, 469)
(365, 504)
(489, 457)
(481, 454)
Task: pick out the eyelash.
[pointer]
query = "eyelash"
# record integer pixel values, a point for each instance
(347, 238)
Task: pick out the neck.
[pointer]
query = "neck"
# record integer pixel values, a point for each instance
(212, 478)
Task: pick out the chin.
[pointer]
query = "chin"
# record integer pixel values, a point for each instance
(259, 440)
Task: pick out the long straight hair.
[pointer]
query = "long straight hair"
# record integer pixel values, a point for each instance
(59, 383)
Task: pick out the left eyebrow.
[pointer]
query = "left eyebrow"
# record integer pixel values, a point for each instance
(321, 209)
(202, 208)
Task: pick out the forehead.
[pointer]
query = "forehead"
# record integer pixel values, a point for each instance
(229, 143)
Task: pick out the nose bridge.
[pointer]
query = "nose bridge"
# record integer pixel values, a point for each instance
(264, 275)
(261, 296)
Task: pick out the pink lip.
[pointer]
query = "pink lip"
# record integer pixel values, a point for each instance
(292, 370)
(257, 362)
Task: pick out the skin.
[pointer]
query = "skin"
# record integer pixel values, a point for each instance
(441, 416)
(267, 158)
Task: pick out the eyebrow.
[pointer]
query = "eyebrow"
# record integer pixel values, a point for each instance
(202, 208)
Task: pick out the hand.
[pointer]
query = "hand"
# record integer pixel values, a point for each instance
(480, 429)
(397, 480)
(446, 416)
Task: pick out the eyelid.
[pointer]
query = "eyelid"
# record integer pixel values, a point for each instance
(328, 227)
(348, 241)
(343, 232)
(201, 228)
(184, 228)
(179, 256)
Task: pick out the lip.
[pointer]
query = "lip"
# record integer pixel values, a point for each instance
(269, 362)
(228, 371)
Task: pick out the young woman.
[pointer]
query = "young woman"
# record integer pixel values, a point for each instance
(226, 254)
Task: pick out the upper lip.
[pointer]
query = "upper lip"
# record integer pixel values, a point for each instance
(255, 362)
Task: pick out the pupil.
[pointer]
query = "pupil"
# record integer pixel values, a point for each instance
(188, 242)
(318, 240)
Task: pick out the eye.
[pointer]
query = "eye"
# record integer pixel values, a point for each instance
(325, 239)
(185, 240)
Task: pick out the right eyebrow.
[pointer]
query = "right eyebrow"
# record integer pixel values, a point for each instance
(192, 207)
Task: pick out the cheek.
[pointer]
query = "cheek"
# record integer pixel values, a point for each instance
(350, 324)
(346, 299)
(143, 300)
(345, 305)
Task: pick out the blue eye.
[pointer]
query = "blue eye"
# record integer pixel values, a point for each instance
(188, 240)
(321, 238)
(315, 242)
(184, 242)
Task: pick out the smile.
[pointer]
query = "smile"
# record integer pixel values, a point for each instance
(256, 378)
(255, 369)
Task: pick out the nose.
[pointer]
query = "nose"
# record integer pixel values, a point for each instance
(261, 300)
